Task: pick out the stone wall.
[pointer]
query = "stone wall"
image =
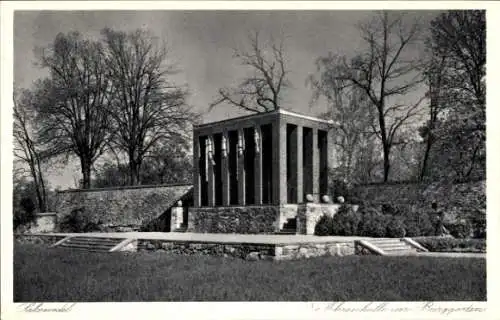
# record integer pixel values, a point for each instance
(248, 251)
(37, 239)
(251, 251)
(123, 207)
(233, 219)
(452, 199)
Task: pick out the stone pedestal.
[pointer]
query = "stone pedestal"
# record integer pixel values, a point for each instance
(177, 218)
(44, 222)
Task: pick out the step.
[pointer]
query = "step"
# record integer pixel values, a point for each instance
(286, 232)
(390, 245)
(384, 240)
(93, 242)
(86, 249)
(96, 238)
(398, 249)
(77, 245)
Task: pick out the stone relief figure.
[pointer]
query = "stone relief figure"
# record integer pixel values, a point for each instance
(210, 151)
(256, 137)
(241, 143)
(224, 146)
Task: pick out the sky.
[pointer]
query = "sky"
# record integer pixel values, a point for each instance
(201, 43)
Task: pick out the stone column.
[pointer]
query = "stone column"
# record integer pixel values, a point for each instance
(258, 165)
(279, 162)
(315, 164)
(210, 174)
(196, 170)
(225, 169)
(241, 167)
(300, 171)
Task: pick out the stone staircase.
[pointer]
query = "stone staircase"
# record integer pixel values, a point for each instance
(391, 246)
(92, 243)
(290, 227)
(182, 228)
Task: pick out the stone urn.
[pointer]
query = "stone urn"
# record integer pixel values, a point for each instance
(309, 198)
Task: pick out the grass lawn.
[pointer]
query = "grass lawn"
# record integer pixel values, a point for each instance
(52, 274)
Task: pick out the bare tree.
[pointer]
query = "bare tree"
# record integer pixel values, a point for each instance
(352, 123)
(461, 37)
(148, 109)
(385, 72)
(75, 112)
(435, 78)
(26, 148)
(262, 90)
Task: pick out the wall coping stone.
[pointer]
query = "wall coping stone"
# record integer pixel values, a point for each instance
(150, 186)
(45, 214)
(298, 243)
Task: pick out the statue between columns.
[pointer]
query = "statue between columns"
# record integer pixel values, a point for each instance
(224, 146)
(256, 138)
(241, 143)
(210, 151)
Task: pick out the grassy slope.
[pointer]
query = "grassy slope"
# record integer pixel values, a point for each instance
(44, 274)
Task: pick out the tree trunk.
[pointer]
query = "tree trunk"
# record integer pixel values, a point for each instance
(385, 141)
(86, 165)
(387, 164)
(134, 172)
(41, 192)
(423, 170)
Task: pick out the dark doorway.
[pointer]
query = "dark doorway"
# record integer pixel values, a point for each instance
(202, 165)
(267, 163)
(323, 161)
(249, 165)
(307, 161)
(218, 168)
(291, 163)
(233, 166)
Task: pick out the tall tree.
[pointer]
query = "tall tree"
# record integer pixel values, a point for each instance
(148, 108)
(386, 73)
(26, 146)
(349, 109)
(436, 79)
(262, 90)
(458, 41)
(74, 115)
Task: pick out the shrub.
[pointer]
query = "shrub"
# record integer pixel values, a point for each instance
(340, 189)
(324, 226)
(346, 221)
(78, 221)
(448, 244)
(373, 223)
(395, 228)
(417, 222)
(478, 223)
(25, 213)
(462, 229)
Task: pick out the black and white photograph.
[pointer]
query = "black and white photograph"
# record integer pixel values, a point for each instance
(329, 156)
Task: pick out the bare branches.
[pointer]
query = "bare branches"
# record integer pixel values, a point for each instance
(25, 145)
(261, 91)
(147, 109)
(384, 72)
(74, 111)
